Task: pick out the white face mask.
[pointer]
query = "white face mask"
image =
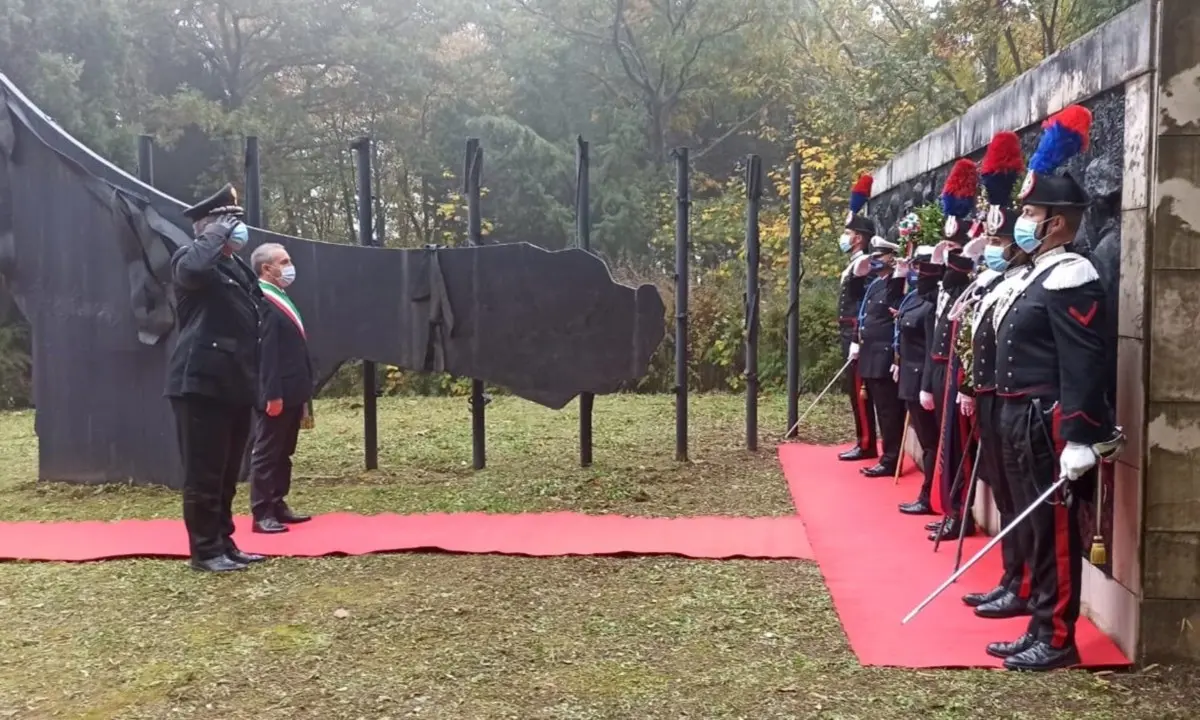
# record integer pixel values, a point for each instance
(287, 275)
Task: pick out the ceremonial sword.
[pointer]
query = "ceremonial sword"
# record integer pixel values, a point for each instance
(814, 404)
(1106, 451)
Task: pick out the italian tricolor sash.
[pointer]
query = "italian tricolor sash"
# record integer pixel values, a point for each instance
(284, 303)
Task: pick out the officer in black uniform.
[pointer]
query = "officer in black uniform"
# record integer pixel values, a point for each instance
(1005, 265)
(212, 375)
(1054, 414)
(859, 231)
(913, 323)
(939, 390)
(877, 332)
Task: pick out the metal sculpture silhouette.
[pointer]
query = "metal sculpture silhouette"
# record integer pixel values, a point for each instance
(85, 247)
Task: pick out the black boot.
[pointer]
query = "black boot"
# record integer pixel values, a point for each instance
(1040, 657)
(1006, 606)
(977, 599)
(220, 563)
(951, 528)
(285, 515)
(879, 470)
(244, 557)
(857, 453)
(920, 506)
(1008, 649)
(269, 526)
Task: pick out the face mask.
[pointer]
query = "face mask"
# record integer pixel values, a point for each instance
(993, 257)
(1025, 234)
(239, 236)
(844, 243)
(913, 276)
(287, 275)
(876, 265)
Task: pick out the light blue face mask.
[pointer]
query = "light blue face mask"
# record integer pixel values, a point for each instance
(1025, 234)
(912, 277)
(844, 244)
(239, 236)
(993, 257)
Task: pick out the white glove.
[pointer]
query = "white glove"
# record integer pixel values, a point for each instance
(853, 351)
(926, 400)
(902, 267)
(896, 373)
(1076, 459)
(966, 405)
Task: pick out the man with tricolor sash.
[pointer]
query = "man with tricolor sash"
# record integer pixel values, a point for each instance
(285, 388)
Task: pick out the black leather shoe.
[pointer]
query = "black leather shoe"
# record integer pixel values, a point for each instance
(857, 453)
(931, 526)
(950, 530)
(287, 517)
(1008, 649)
(1040, 657)
(220, 563)
(269, 526)
(879, 470)
(920, 506)
(1006, 606)
(245, 557)
(977, 599)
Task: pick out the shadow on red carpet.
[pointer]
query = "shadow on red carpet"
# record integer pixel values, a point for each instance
(534, 534)
(878, 565)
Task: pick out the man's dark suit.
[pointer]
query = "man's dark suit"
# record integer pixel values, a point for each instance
(285, 373)
(211, 382)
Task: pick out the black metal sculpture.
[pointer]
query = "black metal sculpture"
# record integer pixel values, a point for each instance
(84, 249)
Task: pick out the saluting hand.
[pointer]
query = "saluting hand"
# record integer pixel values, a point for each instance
(274, 407)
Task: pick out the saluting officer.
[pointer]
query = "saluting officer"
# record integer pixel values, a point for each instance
(859, 231)
(212, 375)
(877, 332)
(912, 331)
(1054, 414)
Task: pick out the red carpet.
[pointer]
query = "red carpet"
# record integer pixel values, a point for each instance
(878, 566)
(539, 535)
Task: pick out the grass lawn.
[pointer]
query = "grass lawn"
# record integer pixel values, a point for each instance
(462, 637)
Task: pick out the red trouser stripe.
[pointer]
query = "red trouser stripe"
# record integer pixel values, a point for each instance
(1026, 590)
(1062, 571)
(864, 422)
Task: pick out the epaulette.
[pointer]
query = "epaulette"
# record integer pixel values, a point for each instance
(1071, 273)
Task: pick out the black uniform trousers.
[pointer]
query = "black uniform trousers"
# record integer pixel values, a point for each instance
(212, 438)
(890, 414)
(861, 404)
(271, 460)
(1056, 562)
(1015, 547)
(924, 424)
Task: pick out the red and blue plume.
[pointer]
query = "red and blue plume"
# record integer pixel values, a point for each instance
(958, 195)
(1002, 165)
(1064, 136)
(860, 193)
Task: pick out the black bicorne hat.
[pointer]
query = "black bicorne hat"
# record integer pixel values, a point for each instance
(956, 260)
(222, 202)
(1001, 221)
(861, 224)
(1062, 191)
